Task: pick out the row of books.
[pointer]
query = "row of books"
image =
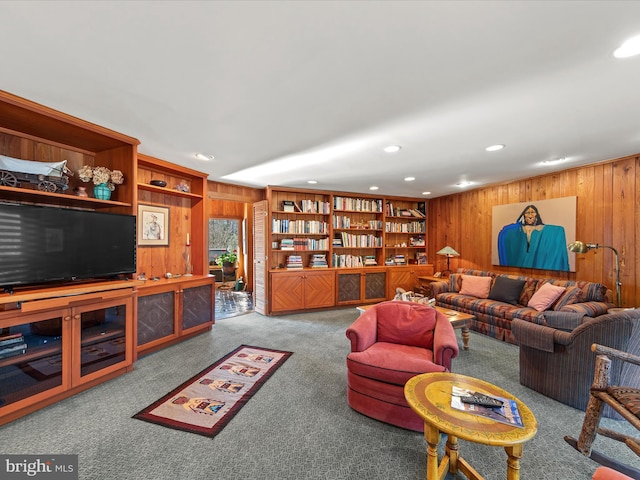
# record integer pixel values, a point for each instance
(285, 225)
(306, 206)
(409, 227)
(303, 243)
(390, 211)
(357, 204)
(341, 221)
(351, 240)
(11, 345)
(353, 261)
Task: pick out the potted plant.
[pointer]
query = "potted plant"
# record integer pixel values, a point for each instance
(227, 260)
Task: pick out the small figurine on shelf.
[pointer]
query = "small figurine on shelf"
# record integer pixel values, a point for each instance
(183, 187)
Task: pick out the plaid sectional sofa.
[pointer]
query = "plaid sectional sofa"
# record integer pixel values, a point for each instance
(494, 317)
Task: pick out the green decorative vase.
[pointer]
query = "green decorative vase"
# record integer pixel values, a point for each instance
(102, 192)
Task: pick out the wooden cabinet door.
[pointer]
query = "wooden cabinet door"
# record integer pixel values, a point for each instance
(375, 286)
(399, 277)
(319, 289)
(287, 291)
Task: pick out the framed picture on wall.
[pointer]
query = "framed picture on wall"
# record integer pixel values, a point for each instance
(153, 225)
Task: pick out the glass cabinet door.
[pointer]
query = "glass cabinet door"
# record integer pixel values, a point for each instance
(103, 335)
(31, 357)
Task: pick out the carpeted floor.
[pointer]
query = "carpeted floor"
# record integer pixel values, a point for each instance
(309, 431)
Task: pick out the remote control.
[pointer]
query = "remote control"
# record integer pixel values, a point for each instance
(482, 399)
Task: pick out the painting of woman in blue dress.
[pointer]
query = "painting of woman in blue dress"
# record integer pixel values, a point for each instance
(529, 243)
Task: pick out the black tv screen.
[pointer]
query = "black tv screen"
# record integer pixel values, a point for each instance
(48, 244)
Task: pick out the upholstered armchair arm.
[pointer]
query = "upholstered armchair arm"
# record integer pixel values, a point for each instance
(445, 345)
(534, 335)
(438, 287)
(364, 331)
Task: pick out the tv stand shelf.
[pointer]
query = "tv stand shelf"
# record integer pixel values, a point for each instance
(51, 293)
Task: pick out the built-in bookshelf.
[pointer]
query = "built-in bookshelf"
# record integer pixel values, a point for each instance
(299, 227)
(405, 232)
(357, 231)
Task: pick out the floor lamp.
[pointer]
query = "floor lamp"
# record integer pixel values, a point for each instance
(581, 247)
(448, 252)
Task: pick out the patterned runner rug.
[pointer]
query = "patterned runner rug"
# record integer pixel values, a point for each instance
(205, 403)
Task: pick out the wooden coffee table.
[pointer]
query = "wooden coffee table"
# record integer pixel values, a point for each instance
(458, 320)
(429, 395)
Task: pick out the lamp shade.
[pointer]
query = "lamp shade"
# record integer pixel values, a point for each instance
(448, 251)
(578, 247)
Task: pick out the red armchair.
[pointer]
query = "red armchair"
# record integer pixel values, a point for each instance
(390, 343)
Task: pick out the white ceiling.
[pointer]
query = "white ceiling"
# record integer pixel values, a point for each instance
(316, 89)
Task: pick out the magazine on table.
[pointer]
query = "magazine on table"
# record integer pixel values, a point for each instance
(508, 413)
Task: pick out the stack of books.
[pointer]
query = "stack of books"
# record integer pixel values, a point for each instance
(318, 260)
(294, 262)
(12, 344)
(399, 260)
(287, 244)
(370, 261)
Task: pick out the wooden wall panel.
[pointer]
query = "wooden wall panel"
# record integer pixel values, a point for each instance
(608, 213)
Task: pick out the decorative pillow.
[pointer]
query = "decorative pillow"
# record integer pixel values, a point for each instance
(506, 290)
(570, 296)
(563, 320)
(475, 286)
(545, 296)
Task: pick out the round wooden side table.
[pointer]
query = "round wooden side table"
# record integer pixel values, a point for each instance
(429, 395)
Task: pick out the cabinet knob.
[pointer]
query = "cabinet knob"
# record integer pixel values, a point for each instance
(67, 318)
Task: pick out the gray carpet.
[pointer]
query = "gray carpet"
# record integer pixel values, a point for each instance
(298, 425)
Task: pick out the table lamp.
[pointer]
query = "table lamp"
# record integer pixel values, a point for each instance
(448, 252)
(581, 247)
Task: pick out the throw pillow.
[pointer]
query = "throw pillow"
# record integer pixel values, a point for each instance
(563, 320)
(506, 290)
(569, 297)
(545, 296)
(475, 286)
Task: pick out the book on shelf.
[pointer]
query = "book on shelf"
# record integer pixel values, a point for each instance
(370, 261)
(294, 262)
(318, 260)
(13, 349)
(287, 244)
(337, 242)
(399, 260)
(288, 206)
(11, 339)
(508, 413)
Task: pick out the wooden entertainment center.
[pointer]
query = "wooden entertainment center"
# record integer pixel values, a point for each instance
(59, 340)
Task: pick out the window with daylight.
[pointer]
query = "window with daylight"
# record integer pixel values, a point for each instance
(223, 237)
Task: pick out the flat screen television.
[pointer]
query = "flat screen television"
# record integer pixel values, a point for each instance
(41, 245)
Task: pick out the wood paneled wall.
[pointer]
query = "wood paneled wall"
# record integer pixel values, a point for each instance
(233, 201)
(608, 213)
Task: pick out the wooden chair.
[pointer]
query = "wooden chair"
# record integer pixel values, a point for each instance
(624, 400)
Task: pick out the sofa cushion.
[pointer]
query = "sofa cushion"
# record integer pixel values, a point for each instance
(475, 286)
(563, 320)
(545, 296)
(506, 290)
(591, 291)
(570, 296)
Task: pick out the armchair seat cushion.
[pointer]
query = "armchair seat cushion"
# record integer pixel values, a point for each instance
(392, 363)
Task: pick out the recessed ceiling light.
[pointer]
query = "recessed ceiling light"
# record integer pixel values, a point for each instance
(629, 48)
(409, 179)
(494, 148)
(204, 156)
(426, 193)
(373, 187)
(463, 184)
(313, 182)
(555, 161)
(392, 148)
